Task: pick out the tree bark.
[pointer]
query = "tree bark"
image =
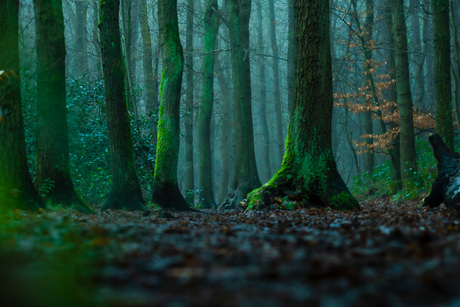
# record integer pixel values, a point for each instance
(406, 121)
(442, 79)
(189, 97)
(267, 169)
(53, 165)
(246, 177)
(204, 139)
(125, 192)
(278, 103)
(81, 51)
(166, 192)
(291, 34)
(16, 187)
(225, 128)
(308, 172)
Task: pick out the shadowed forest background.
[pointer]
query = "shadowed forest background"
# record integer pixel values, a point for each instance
(229, 152)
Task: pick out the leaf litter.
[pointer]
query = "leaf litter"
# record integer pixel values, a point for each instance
(384, 254)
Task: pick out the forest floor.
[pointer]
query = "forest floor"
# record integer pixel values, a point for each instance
(385, 254)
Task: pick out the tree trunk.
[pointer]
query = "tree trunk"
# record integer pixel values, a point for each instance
(125, 192)
(418, 55)
(406, 121)
(291, 34)
(204, 139)
(225, 131)
(151, 89)
(245, 175)
(53, 165)
(442, 80)
(309, 172)
(189, 97)
(267, 169)
(166, 192)
(81, 41)
(276, 84)
(395, 152)
(16, 188)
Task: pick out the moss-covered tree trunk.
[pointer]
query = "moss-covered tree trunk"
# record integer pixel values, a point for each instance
(204, 140)
(125, 192)
(53, 165)
(189, 97)
(16, 188)
(406, 121)
(166, 192)
(442, 78)
(266, 171)
(246, 177)
(308, 170)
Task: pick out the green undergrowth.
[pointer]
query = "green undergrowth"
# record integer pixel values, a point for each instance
(379, 183)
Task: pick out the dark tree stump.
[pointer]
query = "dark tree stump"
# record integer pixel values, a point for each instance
(446, 187)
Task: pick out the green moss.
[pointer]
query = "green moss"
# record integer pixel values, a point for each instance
(254, 198)
(343, 201)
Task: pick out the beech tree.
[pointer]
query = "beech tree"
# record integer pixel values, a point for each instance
(166, 192)
(189, 95)
(406, 120)
(204, 140)
(16, 187)
(246, 177)
(442, 78)
(308, 170)
(53, 164)
(125, 192)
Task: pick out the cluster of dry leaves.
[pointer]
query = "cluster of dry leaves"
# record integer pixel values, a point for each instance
(385, 254)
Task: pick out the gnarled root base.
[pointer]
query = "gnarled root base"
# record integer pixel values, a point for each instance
(336, 195)
(236, 199)
(124, 201)
(68, 198)
(168, 197)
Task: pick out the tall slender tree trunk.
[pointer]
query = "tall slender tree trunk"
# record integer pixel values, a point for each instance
(246, 177)
(291, 34)
(225, 134)
(406, 121)
(418, 55)
(125, 192)
(395, 152)
(442, 79)
(267, 169)
(166, 192)
(189, 97)
(151, 90)
(81, 53)
(204, 139)
(53, 165)
(276, 84)
(309, 171)
(16, 187)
